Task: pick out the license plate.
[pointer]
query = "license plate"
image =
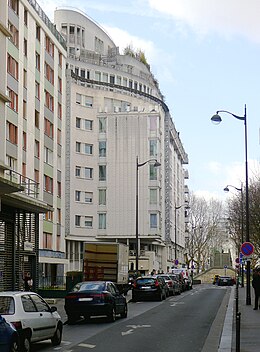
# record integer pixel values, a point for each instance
(145, 288)
(85, 299)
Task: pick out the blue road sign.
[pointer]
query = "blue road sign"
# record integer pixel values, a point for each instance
(247, 248)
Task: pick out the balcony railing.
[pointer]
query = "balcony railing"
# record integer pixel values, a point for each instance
(31, 188)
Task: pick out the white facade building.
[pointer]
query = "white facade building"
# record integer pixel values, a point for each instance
(115, 114)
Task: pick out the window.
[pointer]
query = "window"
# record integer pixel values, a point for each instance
(88, 197)
(153, 196)
(58, 189)
(88, 173)
(24, 141)
(47, 240)
(36, 175)
(48, 216)
(118, 80)
(88, 125)
(49, 73)
(58, 136)
(48, 128)
(37, 90)
(153, 173)
(15, 34)
(14, 100)
(49, 46)
(88, 149)
(88, 101)
(14, 5)
(153, 221)
(38, 32)
(48, 156)
(37, 61)
(153, 147)
(36, 148)
(77, 196)
(112, 79)
(102, 124)
(48, 184)
(78, 121)
(78, 147)
(25, 17)
(24, 171)
(78, 98)
(24, 109)
(77, 220)
(59, 111)
(102, 196)
(102, 172)
(25, 47)
(60, 59)
(60, 85)
(25, 78)
(98, 76)
(82, 73)
(102, 221)
(37, 119)
(11, 133)
(88, 221)
(12, 66)
(49, 102)
(102, 148)
(77, 171)
(58, 215)
(105, 77)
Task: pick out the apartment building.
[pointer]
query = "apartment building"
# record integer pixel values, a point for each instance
(32, 134)
(117, 126)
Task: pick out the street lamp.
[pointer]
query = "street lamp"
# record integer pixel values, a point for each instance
(175, 227)
(217, 119)
(226, 189)
(156, 164)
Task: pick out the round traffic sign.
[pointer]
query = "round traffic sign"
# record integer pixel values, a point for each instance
(247, 248)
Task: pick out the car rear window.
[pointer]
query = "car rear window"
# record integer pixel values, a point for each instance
(6, 305)
(89, 286)
(145, 281)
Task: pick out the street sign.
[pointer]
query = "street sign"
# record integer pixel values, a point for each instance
(176, 262)
(247, 248)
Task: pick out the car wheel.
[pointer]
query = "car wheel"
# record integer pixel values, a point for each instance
(27, 343)
(124, 314)
(72, 318)
(56, 339)
(160, 297)
(112, 315)
(14, 345)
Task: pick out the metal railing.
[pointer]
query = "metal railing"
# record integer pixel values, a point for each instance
(51, 283)
(31, 187)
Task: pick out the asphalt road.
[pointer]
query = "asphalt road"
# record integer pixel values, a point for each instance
(180, 323)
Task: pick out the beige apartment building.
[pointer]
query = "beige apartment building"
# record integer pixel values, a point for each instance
(117, 126)
(32, 137)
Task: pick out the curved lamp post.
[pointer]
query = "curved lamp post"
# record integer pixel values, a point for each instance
(156, 164)
(226, 189)
(217, 119)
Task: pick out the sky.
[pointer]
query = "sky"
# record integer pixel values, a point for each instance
(206, 56)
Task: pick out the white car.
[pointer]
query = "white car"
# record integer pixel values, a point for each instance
(32, 317)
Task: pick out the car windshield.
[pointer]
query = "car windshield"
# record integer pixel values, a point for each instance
(6, 305)
(89, 286)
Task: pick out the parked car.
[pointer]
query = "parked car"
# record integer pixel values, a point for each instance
(95, 298)
(225, 281)
(149, 287)
(9, 338)
(169, 282)
(177, 284)
(32, 317)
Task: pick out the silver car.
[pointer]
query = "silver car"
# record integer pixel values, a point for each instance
(32, 317)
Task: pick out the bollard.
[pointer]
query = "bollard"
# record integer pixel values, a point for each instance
(238, 318)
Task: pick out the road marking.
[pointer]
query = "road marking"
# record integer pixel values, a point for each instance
(128, 332)
(133, 327)
(175, 304)
(86, 345)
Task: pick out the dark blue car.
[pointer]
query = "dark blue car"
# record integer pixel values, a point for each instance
(9, 339)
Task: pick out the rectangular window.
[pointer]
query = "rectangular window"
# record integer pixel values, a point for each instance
(60, 59)
(153, 221)
(48, 184)
(49, 46)
(25, 47)
(88, 172)
(36, 175)
(153, 196)
(59, 111)
(153, 147)
(112, 79)
(77, 171)
(37, 119)
(48, 156)
(88, 149)
(102, 148)
(25, 17)
(14, 5)
(59, 136)
(89, 125)
(77, 220)
(11, 133)
(88, 197)
(12, 66)
(102, 172)
(88, 101)
(102, 124)
(102, 196)
(78, 122)
(14, 100)
(49, 73)
(15, 34)
(78, 147)
(78, 98)
(77, 196)
(37, 90)
(98, 76)
(38, 32)
(47, 240)
(102, 221)
(48, 128)
(58, 189)
(105, 77)
(24, 109)
(25, 78)
(60, 85)
(36, 148)
(49, 101)
(89, 221)
(153, 173)
(24, 141)
(37, 61)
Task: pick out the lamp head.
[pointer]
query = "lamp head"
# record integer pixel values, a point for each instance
(157, 164)
(216, 119)
(226, 189)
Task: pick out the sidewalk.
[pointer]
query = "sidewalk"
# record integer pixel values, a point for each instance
(249, 323)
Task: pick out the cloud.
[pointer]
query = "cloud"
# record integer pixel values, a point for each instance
(227, 18)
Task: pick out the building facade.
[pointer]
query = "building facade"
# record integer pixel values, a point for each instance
(116, 119)
(32, 97)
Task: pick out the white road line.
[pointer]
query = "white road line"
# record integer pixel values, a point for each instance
(175, 304)
(128, 332)
(86, 345)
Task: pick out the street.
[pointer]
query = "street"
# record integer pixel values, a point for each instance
(180, 322)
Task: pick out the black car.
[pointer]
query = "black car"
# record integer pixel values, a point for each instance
(225, 281)
(149, 287)
(95, 298)
(9, 338)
